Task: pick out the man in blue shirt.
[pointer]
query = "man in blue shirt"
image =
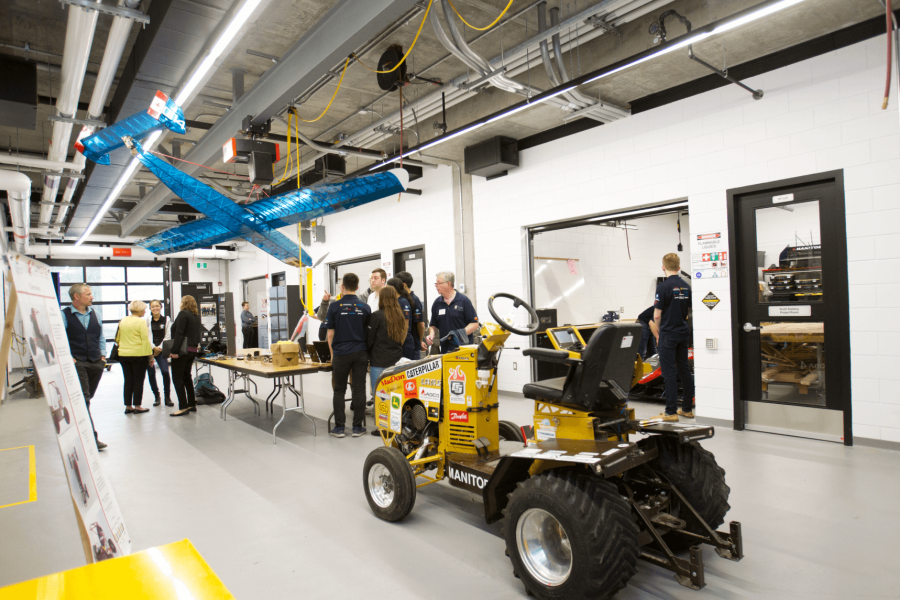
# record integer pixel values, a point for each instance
(417, 324)
(450, 312)
(87, 344)
(671, 313)
(346, 323)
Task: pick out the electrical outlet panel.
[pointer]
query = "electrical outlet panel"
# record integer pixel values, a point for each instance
(515, 367)
(712, 343)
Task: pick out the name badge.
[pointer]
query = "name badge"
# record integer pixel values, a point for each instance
(442, 311)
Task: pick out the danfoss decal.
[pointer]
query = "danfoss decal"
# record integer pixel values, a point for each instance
(467, 478)
(459, 416)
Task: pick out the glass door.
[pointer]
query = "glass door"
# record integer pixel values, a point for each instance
(790, 315)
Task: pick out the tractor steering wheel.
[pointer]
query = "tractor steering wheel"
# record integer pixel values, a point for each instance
(517, 302)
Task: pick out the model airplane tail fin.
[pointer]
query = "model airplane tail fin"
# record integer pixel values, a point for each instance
(163, 112)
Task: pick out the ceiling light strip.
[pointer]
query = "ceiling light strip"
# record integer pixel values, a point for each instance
(185, 95)
(738, 19)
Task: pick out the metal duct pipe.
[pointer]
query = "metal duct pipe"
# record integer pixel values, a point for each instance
(18, 188)
(137, 253)
(555, 79)
(557, 54)
(326, 149)
(41, 163)
(79, 37)
(112, 55)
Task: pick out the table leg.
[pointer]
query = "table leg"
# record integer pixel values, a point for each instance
(283, 413)
(231, 379)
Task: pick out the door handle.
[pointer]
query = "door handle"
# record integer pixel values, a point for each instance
(748, 328)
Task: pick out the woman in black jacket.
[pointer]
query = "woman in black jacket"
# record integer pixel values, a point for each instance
(387, 332)
(409, 343)
(185, 330)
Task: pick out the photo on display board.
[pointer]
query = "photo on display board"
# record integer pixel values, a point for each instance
(62, 418)
(208, 309)
(37, 331)
(78, 475)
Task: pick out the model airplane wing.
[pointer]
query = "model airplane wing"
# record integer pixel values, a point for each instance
(258, 222)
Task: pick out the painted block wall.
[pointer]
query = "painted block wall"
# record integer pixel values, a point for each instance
(818, 115)
(612, 279)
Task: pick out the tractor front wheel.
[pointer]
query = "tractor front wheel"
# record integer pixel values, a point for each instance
(510, 432)
(570, 535)
(389, 484)
(694, 471)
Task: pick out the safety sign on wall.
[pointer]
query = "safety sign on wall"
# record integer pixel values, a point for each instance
(711, 259)
(710, 300)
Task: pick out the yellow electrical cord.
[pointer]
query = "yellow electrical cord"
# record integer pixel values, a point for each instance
(480, 28)
(415, 39)
(344, 72)
(287, 165)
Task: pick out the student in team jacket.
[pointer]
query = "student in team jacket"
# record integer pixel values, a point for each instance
(417, 322)
(450, 312)
(409, 344)
(346, 324)
(671, 313)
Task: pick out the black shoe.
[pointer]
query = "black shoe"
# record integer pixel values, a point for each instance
(193, 409)
(157, 403)
(169, 402)
(100, 445)
(156, 395)
(180, 413)
(376, 432)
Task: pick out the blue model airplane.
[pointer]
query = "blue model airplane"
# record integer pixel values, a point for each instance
(257, 222)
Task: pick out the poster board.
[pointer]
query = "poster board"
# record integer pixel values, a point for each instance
(559, 283)
(44, 329)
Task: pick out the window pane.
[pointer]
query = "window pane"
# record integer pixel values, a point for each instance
(793, 363)
(789, 246)
(69, 275)
(145, 274)
(109, 293)
(146, 292)
(111, 312)
(105, 274)
(109, 330)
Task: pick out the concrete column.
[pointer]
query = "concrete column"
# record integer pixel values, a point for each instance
(464, 238)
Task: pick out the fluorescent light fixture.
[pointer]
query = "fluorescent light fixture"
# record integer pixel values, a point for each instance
(184, 96)
(693, 39)
(236, 23)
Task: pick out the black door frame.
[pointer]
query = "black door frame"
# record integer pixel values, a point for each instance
(837, 287)
(332, 269)
(419, 248)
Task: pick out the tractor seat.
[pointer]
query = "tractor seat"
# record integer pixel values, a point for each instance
(548, 389)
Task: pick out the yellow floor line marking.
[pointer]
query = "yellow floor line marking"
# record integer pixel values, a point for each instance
(32, 476)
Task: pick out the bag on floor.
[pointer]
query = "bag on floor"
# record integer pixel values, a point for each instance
(205, 391)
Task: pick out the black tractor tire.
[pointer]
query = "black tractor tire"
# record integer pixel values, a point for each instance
(694, 471)
(510, 432)
(602, 536)
(402, 484)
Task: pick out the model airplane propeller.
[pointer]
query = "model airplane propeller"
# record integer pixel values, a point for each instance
(257, 222)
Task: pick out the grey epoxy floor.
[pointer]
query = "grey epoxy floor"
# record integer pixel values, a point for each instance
(291, 520)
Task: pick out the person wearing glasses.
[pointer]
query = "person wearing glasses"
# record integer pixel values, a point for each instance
(451, 312)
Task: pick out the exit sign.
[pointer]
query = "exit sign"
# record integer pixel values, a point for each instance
(201, 265)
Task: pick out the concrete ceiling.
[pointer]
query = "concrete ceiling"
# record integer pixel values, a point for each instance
(42, 24)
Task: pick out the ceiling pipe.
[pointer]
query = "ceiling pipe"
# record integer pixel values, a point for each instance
(42, 163)
(18, 189)
(79, 36)
(561, 64)
(112, 55)
(555, 79)
(137, 253)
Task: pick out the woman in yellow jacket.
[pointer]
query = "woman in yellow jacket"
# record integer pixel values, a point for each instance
(135, 353)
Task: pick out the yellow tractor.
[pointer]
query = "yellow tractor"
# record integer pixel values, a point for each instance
(593, 491)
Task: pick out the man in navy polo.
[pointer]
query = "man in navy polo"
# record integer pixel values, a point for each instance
(87, 344)
(346, 323)
(671, 313)
(450, 312)
(417, 324)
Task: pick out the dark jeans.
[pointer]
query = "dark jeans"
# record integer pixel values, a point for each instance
(648, 342)
(89, 374)
(181, 377)
(249, 342)
(342, 365)
(164, 369)
(673, 360)
(134, 368)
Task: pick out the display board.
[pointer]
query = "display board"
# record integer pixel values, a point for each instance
(262, 301)
(559, 284)
(44, 329)
(217, 320)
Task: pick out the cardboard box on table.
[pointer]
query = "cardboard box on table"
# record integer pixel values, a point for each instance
(285, 354)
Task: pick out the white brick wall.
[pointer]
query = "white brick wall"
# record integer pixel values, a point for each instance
(819, 115)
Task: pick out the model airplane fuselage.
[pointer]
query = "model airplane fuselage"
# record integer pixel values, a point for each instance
(224, 220)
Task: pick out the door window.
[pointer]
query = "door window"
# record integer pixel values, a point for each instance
(793, 362)
(789, 253)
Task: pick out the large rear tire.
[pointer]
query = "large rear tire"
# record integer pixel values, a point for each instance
(694, 471)
(510, 432)
(570, 535)
(389, 484)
